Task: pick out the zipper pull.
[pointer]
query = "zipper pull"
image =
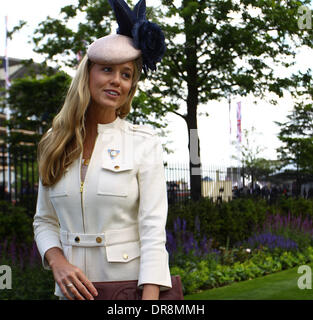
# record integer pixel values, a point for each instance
(81, 186)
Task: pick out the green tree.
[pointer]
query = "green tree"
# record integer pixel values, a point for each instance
(215, 49)
(254, 167)
(33, 103)
(296, 134)
(262, 169)
(55, 39)
(33, 100)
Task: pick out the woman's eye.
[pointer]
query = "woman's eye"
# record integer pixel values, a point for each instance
(106, 69)
(127, 75)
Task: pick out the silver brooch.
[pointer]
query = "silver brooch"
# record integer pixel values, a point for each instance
(113, 153)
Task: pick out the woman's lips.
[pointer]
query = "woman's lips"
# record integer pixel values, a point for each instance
(111, 95)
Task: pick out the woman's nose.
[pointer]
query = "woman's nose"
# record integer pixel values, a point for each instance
(115, 78)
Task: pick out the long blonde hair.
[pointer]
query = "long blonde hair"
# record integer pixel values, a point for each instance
(63, 143)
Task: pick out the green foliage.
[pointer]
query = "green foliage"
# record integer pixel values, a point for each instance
(15, 224)
(238, 44)
(262, 262)
(235, 220)
(146, 106)
(31, 283)
(29, 280)
(296, 206)
(297, 137)
(48, 92)
(295, 232)
(231, 264)
(207, 212)
(240, 217)
(229, 256)
(54, 37)
(34, 103)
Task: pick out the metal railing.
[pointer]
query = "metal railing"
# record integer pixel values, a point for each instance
(19, 166)
(217, 183)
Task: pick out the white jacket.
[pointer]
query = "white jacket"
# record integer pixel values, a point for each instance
(113, 226)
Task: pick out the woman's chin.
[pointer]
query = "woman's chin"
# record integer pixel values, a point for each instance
(107, 103)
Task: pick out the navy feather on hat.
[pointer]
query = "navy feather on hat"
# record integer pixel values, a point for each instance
(124, 16)
(147, 36)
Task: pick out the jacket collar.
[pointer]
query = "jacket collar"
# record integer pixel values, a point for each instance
(118, 123)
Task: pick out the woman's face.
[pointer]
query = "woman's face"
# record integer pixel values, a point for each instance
(110, 84)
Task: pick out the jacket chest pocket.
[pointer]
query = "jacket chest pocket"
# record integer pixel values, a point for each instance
(114, 179)
(60, 189)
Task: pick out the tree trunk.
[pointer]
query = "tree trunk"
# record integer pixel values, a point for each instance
(243, 176)
(194, 158)
(252, 180)
(192, 105)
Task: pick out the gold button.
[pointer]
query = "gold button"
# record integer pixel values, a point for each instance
(116, 167)
(77, 239)
(98, 239)
(125, 256)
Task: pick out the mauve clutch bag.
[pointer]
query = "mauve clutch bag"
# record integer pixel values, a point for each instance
(128, 290)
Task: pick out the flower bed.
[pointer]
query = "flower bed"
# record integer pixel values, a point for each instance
(29, 280)
(209, 245)
(202, 275)
(281, 242)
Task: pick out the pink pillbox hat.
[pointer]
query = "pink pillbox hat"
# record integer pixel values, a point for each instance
(136, 37)
(113, 49)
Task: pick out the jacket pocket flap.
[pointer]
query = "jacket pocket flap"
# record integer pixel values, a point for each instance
(117, 166)
(58, 190)
(59, 193)
(123, 252)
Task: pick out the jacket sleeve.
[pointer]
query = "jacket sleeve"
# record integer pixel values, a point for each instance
(45, 224)
(152, 215)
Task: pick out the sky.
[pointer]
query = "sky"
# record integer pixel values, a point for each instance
(214, 131)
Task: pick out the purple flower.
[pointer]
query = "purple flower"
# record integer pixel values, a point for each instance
(197, 224)
(184, 224)
(177, 225)
(189, 243)
(182, 241)
(170, 242)
(149, 38)
(271, 241)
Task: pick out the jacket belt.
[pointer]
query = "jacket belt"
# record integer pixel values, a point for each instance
(107, 238)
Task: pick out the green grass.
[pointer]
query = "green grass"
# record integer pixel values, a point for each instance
(278, 286)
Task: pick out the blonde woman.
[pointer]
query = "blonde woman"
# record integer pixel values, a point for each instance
(102, 201)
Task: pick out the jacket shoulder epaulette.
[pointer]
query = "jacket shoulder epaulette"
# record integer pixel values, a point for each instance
(143, 129)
